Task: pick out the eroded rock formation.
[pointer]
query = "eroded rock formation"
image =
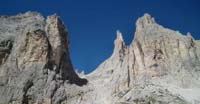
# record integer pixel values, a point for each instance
(160, 66)
(35, 63)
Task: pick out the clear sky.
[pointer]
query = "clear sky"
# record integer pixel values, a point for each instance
(92, 24)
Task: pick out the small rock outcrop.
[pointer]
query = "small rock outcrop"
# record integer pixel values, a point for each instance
(160, 66)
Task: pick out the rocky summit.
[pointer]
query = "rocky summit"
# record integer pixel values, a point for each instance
(160, 66)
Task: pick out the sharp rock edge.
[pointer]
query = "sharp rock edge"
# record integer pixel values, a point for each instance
(160, 66)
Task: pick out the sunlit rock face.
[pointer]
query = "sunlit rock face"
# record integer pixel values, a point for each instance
(160, 66)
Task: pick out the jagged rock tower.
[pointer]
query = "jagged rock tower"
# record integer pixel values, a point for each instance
(35, 63)
(160, 66)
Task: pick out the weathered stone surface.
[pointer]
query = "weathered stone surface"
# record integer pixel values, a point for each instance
(35, 63)
(158, 59)
(160, 66)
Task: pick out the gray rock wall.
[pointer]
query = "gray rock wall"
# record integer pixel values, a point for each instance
(35, 62)
(160, 66)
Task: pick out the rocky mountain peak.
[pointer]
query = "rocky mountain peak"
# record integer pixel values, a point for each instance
(157, 57)
(35, 61)
(58, 38)
(161, 66)
(144, 21)
(119, 44)
(119, 36)
(144, 26)
(189, 35)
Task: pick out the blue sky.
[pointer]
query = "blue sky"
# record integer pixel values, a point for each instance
(92, 24)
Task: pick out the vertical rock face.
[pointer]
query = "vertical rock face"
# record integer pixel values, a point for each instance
(157, 66)
(35, 64)
(160, 66)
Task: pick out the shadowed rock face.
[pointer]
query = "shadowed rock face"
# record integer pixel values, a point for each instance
(160, 66)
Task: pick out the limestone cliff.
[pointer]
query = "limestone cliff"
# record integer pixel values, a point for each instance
(35, 63)
(160, 66)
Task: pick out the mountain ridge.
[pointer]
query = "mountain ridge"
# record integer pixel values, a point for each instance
(160, 66)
